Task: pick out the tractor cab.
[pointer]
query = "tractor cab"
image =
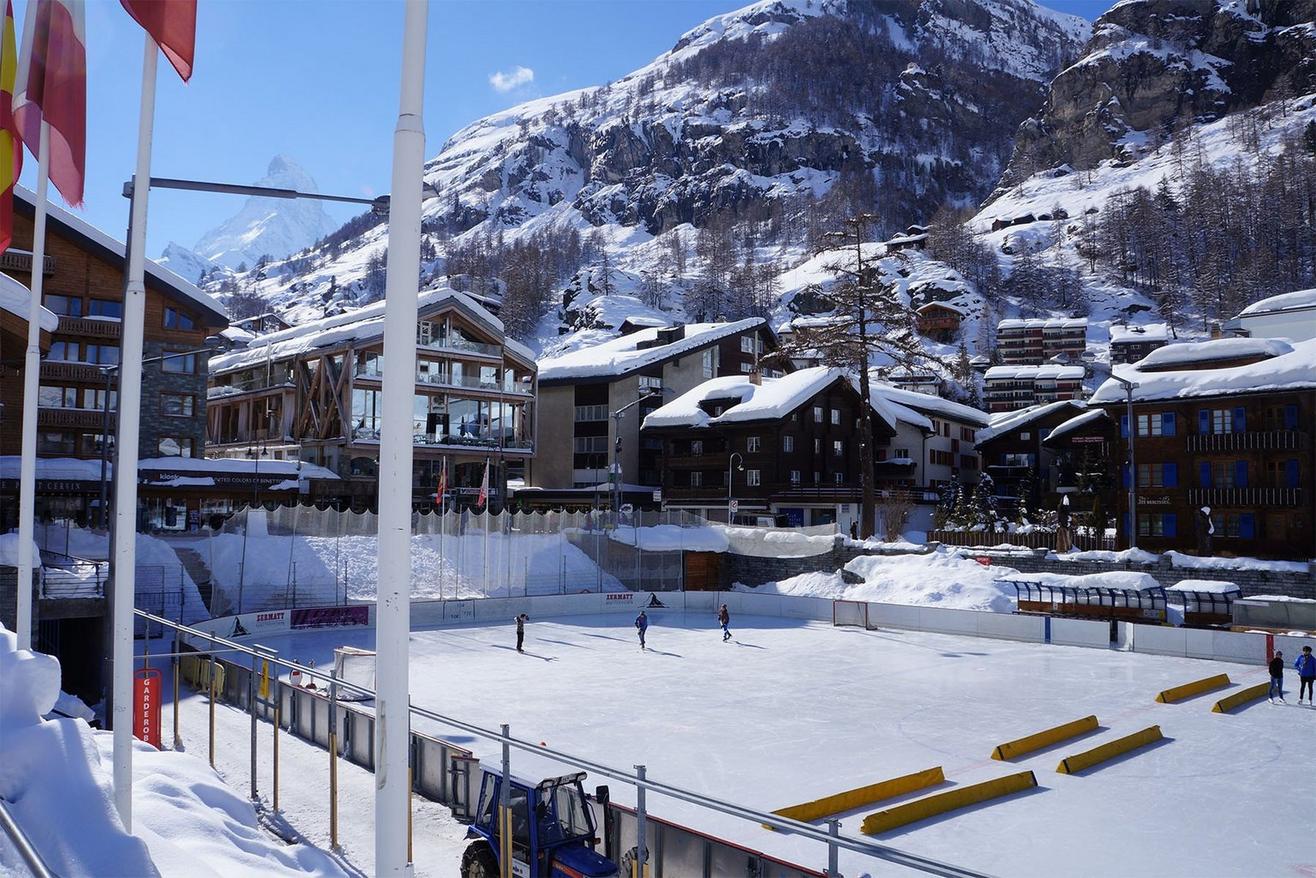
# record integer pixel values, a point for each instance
(551, 831)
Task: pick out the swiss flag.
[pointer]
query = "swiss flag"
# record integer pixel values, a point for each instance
(51, 86)
(172, 24)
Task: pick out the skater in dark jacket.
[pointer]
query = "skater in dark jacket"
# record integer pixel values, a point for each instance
(520, 631)
(1305, 665)
(724, 619)
(641, 626)
(1277, 677)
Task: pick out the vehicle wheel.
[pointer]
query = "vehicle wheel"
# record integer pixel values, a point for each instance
(479, 862)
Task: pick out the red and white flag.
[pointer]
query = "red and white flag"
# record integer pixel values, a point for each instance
(172, 24)
(484, 488)
(11, 147)
(443, 485)
(51, 86)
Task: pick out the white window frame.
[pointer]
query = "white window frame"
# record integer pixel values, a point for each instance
(753, 478)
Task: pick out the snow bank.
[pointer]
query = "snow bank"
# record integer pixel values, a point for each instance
(1129, 556)
(672, 537)
(9, 550)
(941, 579)
(1178, 559)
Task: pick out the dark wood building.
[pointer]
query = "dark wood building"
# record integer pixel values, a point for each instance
(1020, 465)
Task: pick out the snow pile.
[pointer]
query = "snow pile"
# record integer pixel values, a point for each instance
(17, 300)
(672, 538)
(55, 776)
(9, 550)
(1178, 559)
(1125, 556)
(1120, 580)
(1204, 586)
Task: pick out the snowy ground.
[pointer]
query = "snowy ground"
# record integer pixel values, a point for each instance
(790, 711)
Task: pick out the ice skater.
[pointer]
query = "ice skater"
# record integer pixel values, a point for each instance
(641, 626)
(520, 631)
(724, 619)
(1277, 678)
(1305, 665)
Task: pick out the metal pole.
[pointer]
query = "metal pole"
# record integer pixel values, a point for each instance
(178, 664)
(505, 807)
(641, 827)
(126, 449)
(278, 716)
(103, 515)
(212, 710)
(251, 708)
(333, 759)
(1133, 471)
(27, 467)
(833, 853)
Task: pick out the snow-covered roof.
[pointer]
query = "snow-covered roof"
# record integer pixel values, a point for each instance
(1123, 334)
(1043, 323)
(620, 356)
(1204, 586)
(1076, 423)
(947, 305)
(894, 413)
(928, 404)
(1034, 373)
(1299, 300)
(1217, 349)
(159, 273)
(773, 399)
(16, 299)
(1294, 370)
(358, 325)
(1005, 422)
(237, 466)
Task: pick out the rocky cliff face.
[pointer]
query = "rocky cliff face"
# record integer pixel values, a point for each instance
(1154, 66)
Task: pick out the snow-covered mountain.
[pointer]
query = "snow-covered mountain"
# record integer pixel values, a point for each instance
(264, 227)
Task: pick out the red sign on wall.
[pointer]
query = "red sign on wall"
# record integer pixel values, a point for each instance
(147, 688)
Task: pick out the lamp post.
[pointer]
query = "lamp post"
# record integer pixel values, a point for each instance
(731, 465)
(614, 472)
(1129, 387)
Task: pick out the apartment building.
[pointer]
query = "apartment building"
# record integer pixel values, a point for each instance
(1034, 341)
(1129, 344)
(1009, 388)
(933, 442)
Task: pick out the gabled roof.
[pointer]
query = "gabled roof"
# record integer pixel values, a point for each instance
(107, 246)
(1032, 373)
(1203, 353)
(773, 399)
(621, 356)
(928, 404)
(1294, 370)
(1006, 422)
(1075, 424)
(944, 305)
(1125, 334)
(1299, 300)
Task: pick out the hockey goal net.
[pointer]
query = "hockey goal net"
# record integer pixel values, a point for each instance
(850, 614)
(357, 666)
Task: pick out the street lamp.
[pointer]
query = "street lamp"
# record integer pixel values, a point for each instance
(731, 465)
(1129, 387)
(614, 473)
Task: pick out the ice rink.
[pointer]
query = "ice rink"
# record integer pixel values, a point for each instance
(790, 711)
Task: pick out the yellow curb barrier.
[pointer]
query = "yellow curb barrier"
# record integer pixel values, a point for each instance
(1045, 738)
(1197, 687)
(1241, 697)
(940, 803)
(1111, 749)
(861, 796)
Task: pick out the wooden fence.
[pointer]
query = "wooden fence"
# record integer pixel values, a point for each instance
(1033, 540)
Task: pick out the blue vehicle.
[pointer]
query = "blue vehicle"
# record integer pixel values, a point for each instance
(552, 831)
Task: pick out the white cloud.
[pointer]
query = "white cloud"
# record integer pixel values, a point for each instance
(505, 81)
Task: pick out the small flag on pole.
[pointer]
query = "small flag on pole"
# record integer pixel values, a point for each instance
(484, 487)
(51, 86)
(11, 147)
(443, 485)
(172, 24)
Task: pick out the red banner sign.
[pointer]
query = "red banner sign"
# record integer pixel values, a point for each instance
(147, 688)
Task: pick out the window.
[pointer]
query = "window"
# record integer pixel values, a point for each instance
(709, 362)
(591, 444)
(966, 434)
(747, 344)
(591, 413)
(57, 443)
(1158, 475)
(752, 444)
(795, 478)
(1156, 424)
(839, 478)
(176, 405)
(696, 479)
(968, 461)
(817, 414)
(106, 308)
(817, 478)
(838, 447)
(64, 352)
(1222, 420)
(175, 319)
(901, 453)
(1157, 524)
(1241, 525)
(787, 443)
(65, 306)
(102, 354)
(52, 397)
(175, 446)
(753, 478)
(817, 446)
(367, 413)
(95, 399)
(1025, 436)
(1284, 473)
(836, 416)
(182, 365)
(1283, 417)
(696, 446)
(651, 385)
(747, 367)
(1223, 474)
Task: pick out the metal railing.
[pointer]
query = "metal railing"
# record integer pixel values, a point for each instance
(23, 845)
(637, 778)
(1249, 440)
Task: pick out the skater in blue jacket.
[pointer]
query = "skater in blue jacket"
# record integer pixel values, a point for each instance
(641, 626)
(1305, 665)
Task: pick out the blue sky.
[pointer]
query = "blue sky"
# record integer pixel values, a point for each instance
(317, 80)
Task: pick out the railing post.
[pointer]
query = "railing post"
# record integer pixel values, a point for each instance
(278, 715)
(641, 829)
(833, 853)
(212, 707)
(178, 663)
(251, 708)
(333, 757)
(505, 807)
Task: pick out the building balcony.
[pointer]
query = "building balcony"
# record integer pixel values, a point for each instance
(1251, 440)
(87, 419)
(57, 370)
(254, 385)
(464, 382)
(462, 345)
(102, 327)
(1247, 497)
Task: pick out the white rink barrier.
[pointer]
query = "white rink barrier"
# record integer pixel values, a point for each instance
(1079, 632)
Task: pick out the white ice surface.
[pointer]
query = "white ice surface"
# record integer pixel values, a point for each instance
(790, 711)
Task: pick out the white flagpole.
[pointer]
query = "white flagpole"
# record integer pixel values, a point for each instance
(393, 617)
(27, 467)
(125, 467)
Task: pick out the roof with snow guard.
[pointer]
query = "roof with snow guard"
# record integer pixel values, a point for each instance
(16, 299)
(1299, 300)
(1006, 422)
(357, 325)
(1043, 323)
(157, 276)
(1206, 352)
(773, 399)
(926, 403)
(1122, 334)
(1033, 373)
(1074, 424)
(628, 353)
(1292, 370)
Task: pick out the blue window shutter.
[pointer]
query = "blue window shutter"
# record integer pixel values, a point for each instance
(1291, 416)
(1240, 474)
(1247, 526)
(1170, 524)
(1167, 423)
(1127, 529)
(1124, 426)
(1204, 421)
(1204, 474)
(1127, 476)
(1240, 420)
(1291, 473)
(1170, 475)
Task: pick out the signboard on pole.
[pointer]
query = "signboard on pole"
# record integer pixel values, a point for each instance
(734, 505)
(147, 688)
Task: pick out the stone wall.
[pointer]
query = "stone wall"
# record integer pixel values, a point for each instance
(9, 599)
